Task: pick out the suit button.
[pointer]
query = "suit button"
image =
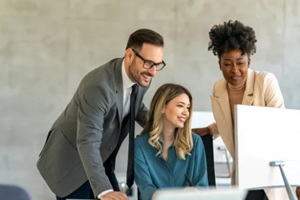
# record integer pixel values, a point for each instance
(92, 181)
(111, 148)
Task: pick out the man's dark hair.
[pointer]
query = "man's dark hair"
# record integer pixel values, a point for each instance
(141, 36)
(232, 35)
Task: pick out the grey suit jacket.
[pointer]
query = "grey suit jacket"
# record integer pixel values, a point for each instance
(87, 132)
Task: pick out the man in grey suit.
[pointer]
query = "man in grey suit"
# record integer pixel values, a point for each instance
(78, 158)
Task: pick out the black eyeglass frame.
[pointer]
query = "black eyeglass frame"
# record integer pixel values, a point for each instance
(148, 64)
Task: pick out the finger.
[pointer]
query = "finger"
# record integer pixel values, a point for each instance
(121, 196)
(115, 196)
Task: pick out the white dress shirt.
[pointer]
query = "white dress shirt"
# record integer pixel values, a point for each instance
(127, 89)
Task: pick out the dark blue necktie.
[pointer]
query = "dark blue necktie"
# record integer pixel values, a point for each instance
(130, 164)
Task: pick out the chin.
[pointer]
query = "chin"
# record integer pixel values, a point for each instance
(235, 82)
(180, 125)
(144, 83)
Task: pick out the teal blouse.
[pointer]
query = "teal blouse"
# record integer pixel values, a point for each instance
(153, 172)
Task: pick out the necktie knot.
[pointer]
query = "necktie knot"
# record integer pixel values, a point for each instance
(134, 89)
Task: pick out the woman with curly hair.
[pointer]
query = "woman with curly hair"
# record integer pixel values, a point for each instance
(167, 154)
(234, 44)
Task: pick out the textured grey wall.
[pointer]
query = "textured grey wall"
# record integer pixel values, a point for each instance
(48, 46)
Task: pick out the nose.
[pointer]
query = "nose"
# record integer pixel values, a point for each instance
(234, 68)
(152, 70)
(186, 112)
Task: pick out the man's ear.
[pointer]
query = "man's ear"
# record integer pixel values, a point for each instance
(129, 54)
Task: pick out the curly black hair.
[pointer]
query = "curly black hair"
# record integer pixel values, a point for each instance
(232, 35)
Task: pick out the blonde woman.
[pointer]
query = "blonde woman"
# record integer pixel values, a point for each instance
(167, 153)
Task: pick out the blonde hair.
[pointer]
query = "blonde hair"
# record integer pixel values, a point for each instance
(183, 136)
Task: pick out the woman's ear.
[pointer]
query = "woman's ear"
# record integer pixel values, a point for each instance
(249, 61)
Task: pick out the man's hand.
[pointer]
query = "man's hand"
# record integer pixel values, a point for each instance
(114, 195)
(201, 131)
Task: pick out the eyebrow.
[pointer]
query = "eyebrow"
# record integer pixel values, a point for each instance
(181, 102)
(228, 59)
(145, 59)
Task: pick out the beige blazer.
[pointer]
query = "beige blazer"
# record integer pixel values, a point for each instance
(262, 89)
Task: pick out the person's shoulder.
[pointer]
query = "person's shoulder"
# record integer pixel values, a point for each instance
(220, 85)
(198, 142)
(141, 139)
(263, 77)
(102, 76)
(220, 81)
(196, 137)
(263, 74)
(107, 67)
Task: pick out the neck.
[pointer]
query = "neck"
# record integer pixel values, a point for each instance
(167, 136)
(240, 86)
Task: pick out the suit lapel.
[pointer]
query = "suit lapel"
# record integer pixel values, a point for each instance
(221, 100)
(248, 98)
(119, 88)
(222, 113)
(221, 108)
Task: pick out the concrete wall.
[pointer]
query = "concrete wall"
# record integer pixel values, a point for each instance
(46, 47)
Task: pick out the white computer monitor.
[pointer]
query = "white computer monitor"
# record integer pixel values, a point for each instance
(201, 194)
(263, 135)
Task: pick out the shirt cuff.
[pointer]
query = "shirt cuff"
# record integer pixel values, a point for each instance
(103, 193)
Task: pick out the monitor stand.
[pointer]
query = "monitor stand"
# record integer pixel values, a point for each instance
(286, 183)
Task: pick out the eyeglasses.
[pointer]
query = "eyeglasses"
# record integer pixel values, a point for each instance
(148, 64)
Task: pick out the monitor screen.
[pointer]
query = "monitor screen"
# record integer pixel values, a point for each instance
(263, 135)
(201, 194)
